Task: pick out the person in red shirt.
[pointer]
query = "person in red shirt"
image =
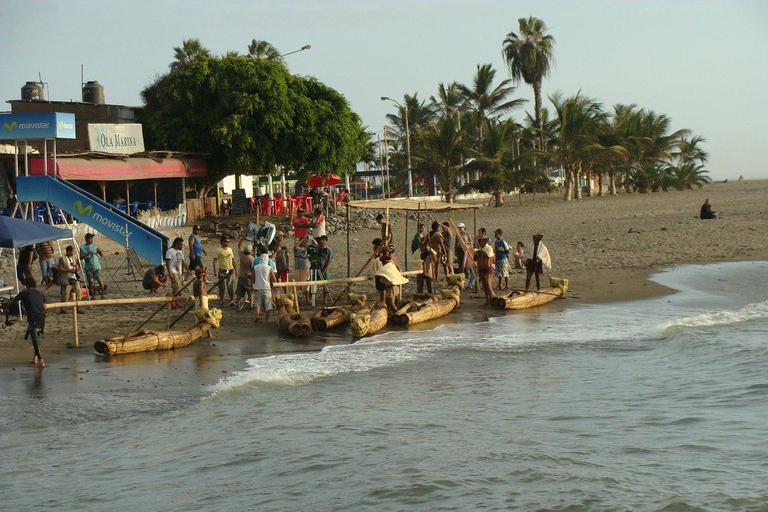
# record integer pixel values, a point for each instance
(300, 224)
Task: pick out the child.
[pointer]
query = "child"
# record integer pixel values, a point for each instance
(34, 304)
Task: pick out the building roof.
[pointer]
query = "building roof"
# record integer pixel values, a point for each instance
(413, 205)
(114, 169)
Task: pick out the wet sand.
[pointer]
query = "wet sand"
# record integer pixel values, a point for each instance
(605, 246)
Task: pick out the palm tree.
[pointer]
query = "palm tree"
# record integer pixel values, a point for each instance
(497, 161)
(688, 175)
(443, 148)
(579, 119)
(487, 101)
(529, 55)
(259, 49)
(189, 51)
(689, 150)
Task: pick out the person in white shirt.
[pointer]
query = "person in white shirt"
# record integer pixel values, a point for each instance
(537, 260)
(318, 224)
(263, 276)
(174, 260)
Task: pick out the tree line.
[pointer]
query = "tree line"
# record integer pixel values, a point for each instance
(468, 130)
(248, 114)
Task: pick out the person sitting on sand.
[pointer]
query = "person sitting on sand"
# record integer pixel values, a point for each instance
(484, 261)
(706, 211)
(154, 278)
(34, 305)
(390, 279)
(518, 255)
(538, 258)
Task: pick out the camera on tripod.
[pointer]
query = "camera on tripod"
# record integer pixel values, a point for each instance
(313, 254)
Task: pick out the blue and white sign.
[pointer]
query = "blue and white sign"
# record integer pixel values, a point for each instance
(91, 210)
(38, 125)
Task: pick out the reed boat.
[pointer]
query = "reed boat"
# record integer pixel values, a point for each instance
(520, 299)
(291, 322)
(328, 318)
(147, 341)
(368, 321)
(420, 311)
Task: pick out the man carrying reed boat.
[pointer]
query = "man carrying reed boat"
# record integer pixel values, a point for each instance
(390, 279)
(536, 260)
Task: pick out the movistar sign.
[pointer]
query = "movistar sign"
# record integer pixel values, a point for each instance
(38, 125)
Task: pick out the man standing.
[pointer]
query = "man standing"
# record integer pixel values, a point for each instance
(69, 266)
(174, 259)
(196, 250)
(27, 255)
(245, 276)
(282, 259)
(325, 255)
(484, 258)
(384, 227)
(537, 259)
(90, 253)
(501, 251)
(226, 271)
(302, 264)
(437, 244)
(448, 242)
(263, 276)
(300, 224)
(45, 253)
(464, 259)
(318, 224)
(34, 305)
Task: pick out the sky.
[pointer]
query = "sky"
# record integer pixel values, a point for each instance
(702, 63)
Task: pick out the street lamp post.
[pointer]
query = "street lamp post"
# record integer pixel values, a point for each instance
(305, 47)
(407, 143)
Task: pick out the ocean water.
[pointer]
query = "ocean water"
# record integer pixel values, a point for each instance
(659, 404)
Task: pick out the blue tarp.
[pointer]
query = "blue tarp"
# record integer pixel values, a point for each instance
(18, 232)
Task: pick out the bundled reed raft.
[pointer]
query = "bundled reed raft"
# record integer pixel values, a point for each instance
(289, 320)
(327, 318)
(520, 299)
(147, 341)
(417, 312)
(368, 321)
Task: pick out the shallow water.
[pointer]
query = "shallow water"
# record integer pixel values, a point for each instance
(651, 405)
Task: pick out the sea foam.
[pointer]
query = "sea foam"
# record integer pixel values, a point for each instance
(749, 312)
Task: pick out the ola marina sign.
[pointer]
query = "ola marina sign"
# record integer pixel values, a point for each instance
(120, 139)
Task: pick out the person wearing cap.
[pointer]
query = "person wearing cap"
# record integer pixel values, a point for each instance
(154, 278)
(484, 260)
(300, 224)
(196, 249)
(90, 253)
(501, 249)
(174, 260)
(245, 275)
(226, 270)
(537, 259)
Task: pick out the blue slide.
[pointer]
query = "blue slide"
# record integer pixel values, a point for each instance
(148, 243)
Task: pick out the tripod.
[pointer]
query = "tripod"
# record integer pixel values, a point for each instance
(130, 266)
(316, 274)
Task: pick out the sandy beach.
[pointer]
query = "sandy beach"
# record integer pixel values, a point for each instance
(606, 246)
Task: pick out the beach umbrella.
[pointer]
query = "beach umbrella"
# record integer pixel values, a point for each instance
(319, 180)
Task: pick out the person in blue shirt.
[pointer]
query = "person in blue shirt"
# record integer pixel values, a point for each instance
(501, 251)
(196, 250)
(90, 253)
